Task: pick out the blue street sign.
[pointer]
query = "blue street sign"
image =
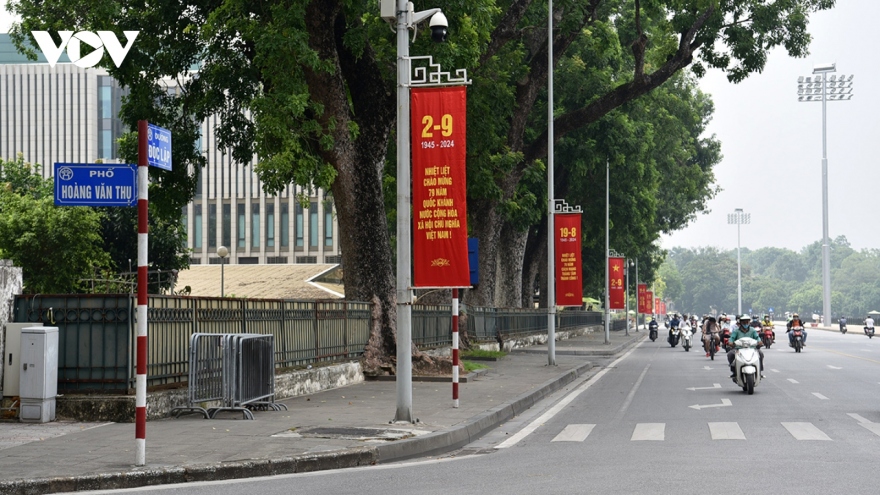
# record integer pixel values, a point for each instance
(158, 147)
(95, 184)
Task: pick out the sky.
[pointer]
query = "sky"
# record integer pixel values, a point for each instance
(772, 144)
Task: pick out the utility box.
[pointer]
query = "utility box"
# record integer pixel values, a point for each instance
(12, 358)
(38, 382)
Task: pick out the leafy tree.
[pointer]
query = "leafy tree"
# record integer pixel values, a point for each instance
(307, 86)
(56, 247)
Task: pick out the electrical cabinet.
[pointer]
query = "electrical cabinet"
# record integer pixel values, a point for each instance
(38, 382)
(12, 359)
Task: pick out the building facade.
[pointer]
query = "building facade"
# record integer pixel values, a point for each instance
(70, 114)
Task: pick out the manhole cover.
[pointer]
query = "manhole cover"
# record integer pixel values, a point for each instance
(364, 434)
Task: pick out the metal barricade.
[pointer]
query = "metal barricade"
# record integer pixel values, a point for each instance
(253, 376)
(235, 370)
(206, 372)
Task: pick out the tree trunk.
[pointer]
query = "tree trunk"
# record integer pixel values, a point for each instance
(511, 249)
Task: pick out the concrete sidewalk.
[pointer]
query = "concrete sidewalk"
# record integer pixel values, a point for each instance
(343, 427)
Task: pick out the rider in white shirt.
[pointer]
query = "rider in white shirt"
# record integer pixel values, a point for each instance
(869, 322)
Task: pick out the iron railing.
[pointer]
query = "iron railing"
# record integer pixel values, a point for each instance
(96, 331)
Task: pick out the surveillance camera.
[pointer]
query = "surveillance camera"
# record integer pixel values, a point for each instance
(439, 26)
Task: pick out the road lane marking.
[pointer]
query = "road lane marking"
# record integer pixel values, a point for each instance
(714, 386)
(835, 367)
(553, 411)
(632, 392)
(574, 433)
(724, 403)
(792, 380)
(726, 431)
(850, 355)
(773, 370)
(805, 431)
(649, 432)
(817, 394)
(858, 418)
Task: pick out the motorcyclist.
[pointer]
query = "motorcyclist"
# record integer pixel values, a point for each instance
(869, 322)
(842, 322)
(711, 336)
(653, 325)
(768, 323)
(674, 323)
(755, 323)
(796, 322)
(741, 331)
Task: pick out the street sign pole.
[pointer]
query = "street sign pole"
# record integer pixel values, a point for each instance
(143, 211)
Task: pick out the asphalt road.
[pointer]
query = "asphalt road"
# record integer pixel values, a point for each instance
(812, 426)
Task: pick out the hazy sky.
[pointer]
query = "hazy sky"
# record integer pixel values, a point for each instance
(772, 144)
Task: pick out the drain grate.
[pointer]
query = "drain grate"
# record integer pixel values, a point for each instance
(364, 434)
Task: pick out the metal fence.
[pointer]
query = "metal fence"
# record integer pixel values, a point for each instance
(96, 331)
(235, 370)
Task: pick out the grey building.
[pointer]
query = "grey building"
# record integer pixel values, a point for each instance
(70, 114)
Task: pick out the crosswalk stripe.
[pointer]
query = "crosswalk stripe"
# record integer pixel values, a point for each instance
(726, 431)
(574, 433)
(805, 431)
(872, 427)
(792, 380)
(649, 431)
(817, 394)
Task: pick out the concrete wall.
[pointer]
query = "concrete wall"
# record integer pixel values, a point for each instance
(10, 285)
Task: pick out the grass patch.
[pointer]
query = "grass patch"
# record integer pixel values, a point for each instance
(470, 366)
(481, 353)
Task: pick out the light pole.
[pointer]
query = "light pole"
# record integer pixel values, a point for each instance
(638, 315)
(551, 229)
(402, 12)
(627, 263)
(222, 252)
(739, 218)
(821, 87)
(607, 248)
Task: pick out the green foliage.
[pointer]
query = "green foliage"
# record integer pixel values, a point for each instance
(777, 278)
(56, 247)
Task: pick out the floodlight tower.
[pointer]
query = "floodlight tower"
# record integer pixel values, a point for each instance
(739, 218)
(822, 87)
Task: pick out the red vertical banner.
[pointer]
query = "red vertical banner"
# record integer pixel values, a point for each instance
(663, 307)
(658, 305)
(616, 294)
(569, 283)
(649, 302)
(643, 303)
(439, 204)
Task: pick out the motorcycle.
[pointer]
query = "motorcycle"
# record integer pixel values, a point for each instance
(767, 335)
(869, 331)
(652, 331)
(674, 336)
(725, 339)
(843, 328)
(746, 365)
(686, 338)
(797, 338)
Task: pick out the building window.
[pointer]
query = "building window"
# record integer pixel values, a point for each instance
(328, 224)
(106, 102)
(241, 226)
(227, 225)
(285, 226)
(197, 226)
(299, 225)
(212, 226)
(255, 225)
(106, 144)
(270, 226)
(313, 225)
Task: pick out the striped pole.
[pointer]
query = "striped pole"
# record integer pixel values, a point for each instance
(140, 429)
(454, 347)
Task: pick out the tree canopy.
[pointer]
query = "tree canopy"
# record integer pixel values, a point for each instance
(776, 278)
(308, 88)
